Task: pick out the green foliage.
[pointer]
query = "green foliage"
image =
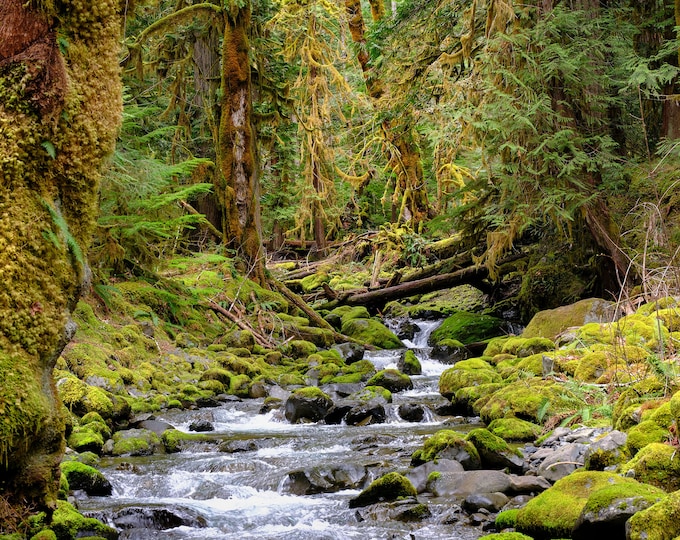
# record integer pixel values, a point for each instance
(141, 194)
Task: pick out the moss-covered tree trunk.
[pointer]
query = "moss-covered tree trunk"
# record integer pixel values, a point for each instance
(60, 108)
(410, 201)
(236, 151)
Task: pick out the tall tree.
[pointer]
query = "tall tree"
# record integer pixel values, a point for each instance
(60, 108)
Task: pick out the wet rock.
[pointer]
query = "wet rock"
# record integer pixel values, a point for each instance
(449, 352)
(448, 444)
(201, 426)
(325, 479)
(411, 412)
(307, 404)
(420, 475)
(493, 502)
(494, 451)
(390, 487)
(407, 330)
(86, 478)
(270, 404)
(158, 519)
(342, 389)
(458, 485)
(157, 426)
(207, 402)
(134, 442)
(408, 510)
(371, 412)
(409, 364)
(391, 379)
(350, 352)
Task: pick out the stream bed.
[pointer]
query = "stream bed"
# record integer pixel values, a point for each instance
(238, 485)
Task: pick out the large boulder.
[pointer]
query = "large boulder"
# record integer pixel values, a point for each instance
(307, 404)
(86, 478)
(373, 332)
(660, 521)
(555, 512)
(552, 322)
(448, 444)
(467, 328)
(657, 464)
(473, 372)
(325, 479)
(459, 485)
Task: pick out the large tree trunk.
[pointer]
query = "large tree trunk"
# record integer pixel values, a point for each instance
(236, 153)
(53, 139)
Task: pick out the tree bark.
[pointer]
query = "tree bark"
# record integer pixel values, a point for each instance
(54, 137)
(236, 152)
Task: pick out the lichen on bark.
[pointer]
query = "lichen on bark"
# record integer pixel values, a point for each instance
(59, 115)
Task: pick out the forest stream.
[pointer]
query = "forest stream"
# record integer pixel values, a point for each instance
(249, 494)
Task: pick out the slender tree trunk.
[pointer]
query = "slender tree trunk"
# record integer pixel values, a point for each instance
(236, 150)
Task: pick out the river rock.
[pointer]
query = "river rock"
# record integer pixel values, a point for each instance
(419, 475)
(201, 426)
(158, 519)
(134, 442)
(449, 352)
(389, 487)
(307, 404)
(371, 412)
(406, 510)
(350, 352)
(86, 478)
(609, 451)
(411, 412)
(493, 502)
(157, 426)
(528, 484)
(458, 485)
(325, 479)
(391, 379)
(562, 461)
(551, 322)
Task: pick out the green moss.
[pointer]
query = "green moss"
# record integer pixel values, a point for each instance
(135, 442)
(392, 379)
(608, 495)
(467, 328)
(174, 440)
(523, 346)
(443, 439)
(507, 535)
(239, 385)
(656, 464)
(645, 433)
(83, 440)
(410, 364)
(507, 519)
(474, 372)
(485, 441)
(389, 487)
(528, 399)
(81, 476)
(373, 332)
(660, 521)
(553, 513)
(313, 282)
(312, 392)
(470, 398)
(298, 348)
(372, 392)
(68, 523)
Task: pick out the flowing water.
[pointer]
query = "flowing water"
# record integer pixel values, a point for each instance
(246, 494)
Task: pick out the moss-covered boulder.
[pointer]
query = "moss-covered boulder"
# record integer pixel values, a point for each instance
(512, 535)
(81, 398)
(660, 521)
(409, 364)
(89, 479)
(392, 379)
(494, 451)
(68, 523)
(85, 439)
(298, 348)
(389, 487)
(609, 508)
(645, 433)
(523, 346)
(555, 512)
(531, 399)
(470, 399)
(175, 441)
(309, 404)
(656, 464)
(448, 444)
(373, 332)
(473, 372)
(135, 442)
(552, 322)
(467, 328)
(514, 429)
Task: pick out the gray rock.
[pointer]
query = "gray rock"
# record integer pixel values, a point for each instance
(411, 412)
(157, 426)
(408, 510)
(458, 485)
(563, 461)
(492, 502)
(325, 479)
(528, 484)
(607, 451)
(371, 412)
(609, 521)
(350, 352)
(419, 475)
(300, 408)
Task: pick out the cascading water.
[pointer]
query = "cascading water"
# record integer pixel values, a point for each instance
(237, 485)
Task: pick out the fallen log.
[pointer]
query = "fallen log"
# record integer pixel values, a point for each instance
(473, 275)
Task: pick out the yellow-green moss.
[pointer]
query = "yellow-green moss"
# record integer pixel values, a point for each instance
(660, 521)
(389, 487)
(644, 433)
(436, 444)
(656, 464)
